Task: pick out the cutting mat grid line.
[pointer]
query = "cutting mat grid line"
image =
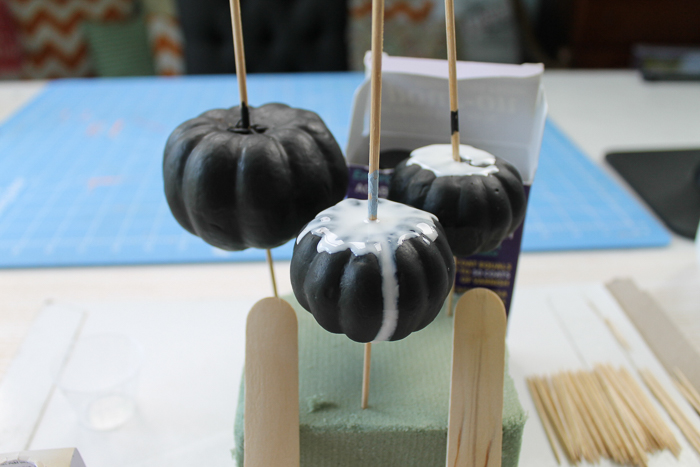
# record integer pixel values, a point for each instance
(81, 174)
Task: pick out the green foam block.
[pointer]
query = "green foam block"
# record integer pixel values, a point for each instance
(406, 422)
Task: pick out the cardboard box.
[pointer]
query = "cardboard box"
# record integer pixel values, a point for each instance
(502, 109)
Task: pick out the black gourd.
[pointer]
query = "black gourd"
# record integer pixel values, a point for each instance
(372, 284)
(256, 187)
(477, 211)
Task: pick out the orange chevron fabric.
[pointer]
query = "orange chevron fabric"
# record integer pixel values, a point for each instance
(52, 36)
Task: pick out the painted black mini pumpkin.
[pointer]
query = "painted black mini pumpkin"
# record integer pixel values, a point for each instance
(479, 201)
(256, 187)
(372, 280)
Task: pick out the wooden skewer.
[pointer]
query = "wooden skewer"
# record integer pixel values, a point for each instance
(475, 420)
(375, 119)
(365, 375)
(451, 297)
(272, 272)
(271, 386)
(374, 137)
(239, 54)
(452, 70)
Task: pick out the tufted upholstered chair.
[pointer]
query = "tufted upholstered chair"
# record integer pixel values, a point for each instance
(279, 35)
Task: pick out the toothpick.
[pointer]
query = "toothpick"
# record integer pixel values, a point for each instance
(271, 386)
(475, 420)
(689, 391)
(546, 422)
(239, 55)
(452, 69)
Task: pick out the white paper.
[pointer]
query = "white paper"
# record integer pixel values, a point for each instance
(502, 109)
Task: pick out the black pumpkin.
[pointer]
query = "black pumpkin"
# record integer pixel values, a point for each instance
(477, 211)
(238, 188)
(367, 294)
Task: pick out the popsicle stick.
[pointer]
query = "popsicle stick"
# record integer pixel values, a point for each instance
(365, 375)
(239, 55)
(474, 427)
(452, 70)
(271, 386)
(272, 272)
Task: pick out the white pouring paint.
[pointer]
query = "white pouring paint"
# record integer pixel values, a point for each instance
(438, 159)
(346, 226)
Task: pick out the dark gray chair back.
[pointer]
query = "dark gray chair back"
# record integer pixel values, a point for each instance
(279, 35)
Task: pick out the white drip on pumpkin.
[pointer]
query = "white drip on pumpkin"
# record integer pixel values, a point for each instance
(438, 159)
(345, 226)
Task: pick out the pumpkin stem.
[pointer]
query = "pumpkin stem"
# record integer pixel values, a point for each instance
(245, 116)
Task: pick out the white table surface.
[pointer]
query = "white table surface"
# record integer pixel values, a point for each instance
(599, 110)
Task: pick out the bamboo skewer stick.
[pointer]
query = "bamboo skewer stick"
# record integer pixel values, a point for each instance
(374, 146)
(365, 375)
(454, 99)
(375, 118)
(272, 272)
(451, 297)
(239, 54)
(452, 70)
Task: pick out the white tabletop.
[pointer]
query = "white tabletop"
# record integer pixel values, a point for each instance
(599, 110)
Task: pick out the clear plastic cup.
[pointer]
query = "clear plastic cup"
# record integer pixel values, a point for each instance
(99, 379)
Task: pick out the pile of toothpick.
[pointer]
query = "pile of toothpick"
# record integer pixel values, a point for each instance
(600, 414)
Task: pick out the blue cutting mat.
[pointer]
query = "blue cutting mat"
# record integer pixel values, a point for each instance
(80, 174)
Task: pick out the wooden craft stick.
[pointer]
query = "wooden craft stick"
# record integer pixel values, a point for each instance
(365, 375)
(452, 71)
(272, 272)
(475, 420)
(271, 386)
(239, 55)
(546, 422)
